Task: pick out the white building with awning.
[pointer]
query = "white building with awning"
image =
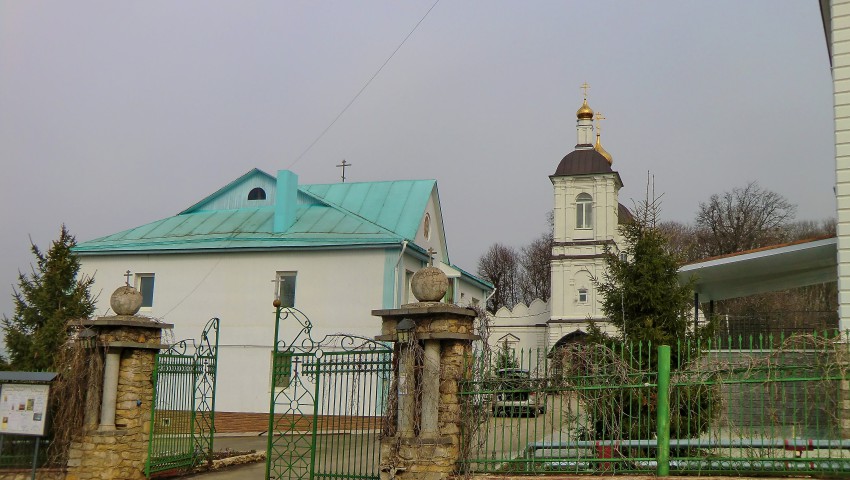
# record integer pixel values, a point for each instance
(768, 269)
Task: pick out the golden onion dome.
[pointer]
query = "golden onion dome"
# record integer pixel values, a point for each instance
(602, 151)
(584, 113)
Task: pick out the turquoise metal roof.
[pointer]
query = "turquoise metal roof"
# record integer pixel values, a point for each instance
(397, 205)
(474, 278)
(335, 215)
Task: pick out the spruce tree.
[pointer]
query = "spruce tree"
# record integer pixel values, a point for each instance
(505, 358)
(45, 301)
(644, 300)
(640, 290)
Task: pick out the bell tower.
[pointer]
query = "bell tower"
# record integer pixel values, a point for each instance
(586, 215)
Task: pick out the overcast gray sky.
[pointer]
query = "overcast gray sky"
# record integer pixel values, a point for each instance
(115, 114)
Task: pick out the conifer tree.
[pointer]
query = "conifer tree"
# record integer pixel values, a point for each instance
(45, 301)
(505, 358)
(640, 290)
(644, 301)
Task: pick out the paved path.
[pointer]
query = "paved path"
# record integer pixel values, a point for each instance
(243, 444)
(246, 472)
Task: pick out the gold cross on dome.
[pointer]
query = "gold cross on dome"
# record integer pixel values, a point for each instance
(584, 87)
(599, 117)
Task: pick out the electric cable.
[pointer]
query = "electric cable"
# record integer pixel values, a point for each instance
(363, 88)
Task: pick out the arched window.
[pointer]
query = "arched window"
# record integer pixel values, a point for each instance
(584, 211)
(257, 193)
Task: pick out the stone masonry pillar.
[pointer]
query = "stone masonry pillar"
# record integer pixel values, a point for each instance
(436, 355)
(117, 446)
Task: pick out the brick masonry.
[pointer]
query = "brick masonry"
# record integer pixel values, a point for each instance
(241, 422)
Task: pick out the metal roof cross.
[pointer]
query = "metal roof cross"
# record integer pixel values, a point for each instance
(343, 165)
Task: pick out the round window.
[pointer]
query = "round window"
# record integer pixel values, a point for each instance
(426, 226)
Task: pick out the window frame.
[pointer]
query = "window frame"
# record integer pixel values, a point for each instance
(583, 292)
(139, 283)
(280, 278)
(451, 291)
(584, 211)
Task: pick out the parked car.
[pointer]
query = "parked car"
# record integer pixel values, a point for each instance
(516, 393)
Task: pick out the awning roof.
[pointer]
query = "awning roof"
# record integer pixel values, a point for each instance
(764, 270)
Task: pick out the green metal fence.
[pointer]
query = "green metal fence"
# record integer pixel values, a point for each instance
(755, 405)
(183, 413)
(326, 406)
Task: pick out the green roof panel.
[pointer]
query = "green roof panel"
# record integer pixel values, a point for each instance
(396, 205)
(342, 214)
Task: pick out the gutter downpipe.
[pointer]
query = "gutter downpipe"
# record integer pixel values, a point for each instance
(489, 297)
(395, 280)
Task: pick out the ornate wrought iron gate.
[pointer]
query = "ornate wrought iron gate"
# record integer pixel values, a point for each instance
(183, 413)
(327, 403)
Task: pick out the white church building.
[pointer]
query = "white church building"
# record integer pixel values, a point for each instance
(587, 212)
(338, 250)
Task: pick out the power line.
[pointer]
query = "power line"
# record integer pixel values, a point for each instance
(364, 86)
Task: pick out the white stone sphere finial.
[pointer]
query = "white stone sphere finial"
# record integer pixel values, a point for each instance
(429, 284)
(126, 300)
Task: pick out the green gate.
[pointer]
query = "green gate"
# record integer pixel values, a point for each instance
(327, 403)
(183, 413)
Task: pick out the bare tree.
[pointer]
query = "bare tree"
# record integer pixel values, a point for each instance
(535, 278)
(807, 229)
(682, 240)
(500, 266)
(743, 219)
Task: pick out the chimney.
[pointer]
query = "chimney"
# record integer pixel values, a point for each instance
(285, 200)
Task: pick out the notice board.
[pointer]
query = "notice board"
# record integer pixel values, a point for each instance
(23, 408)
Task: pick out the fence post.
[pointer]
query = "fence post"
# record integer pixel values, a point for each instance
(662, 424)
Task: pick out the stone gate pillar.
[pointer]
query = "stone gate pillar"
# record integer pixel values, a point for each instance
(433, 345)
(114, 443)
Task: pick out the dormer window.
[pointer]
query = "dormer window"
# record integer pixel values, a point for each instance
(584, 211)
(257, 193)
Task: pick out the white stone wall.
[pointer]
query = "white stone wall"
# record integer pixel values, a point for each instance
(840, 12)
(468, 293)
(337, 290)
(525, 323)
